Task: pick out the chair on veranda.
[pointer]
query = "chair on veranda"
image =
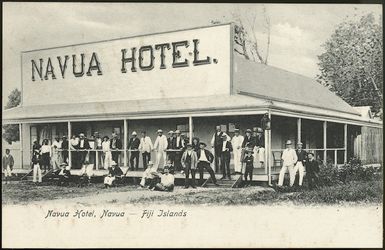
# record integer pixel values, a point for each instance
(276, 159)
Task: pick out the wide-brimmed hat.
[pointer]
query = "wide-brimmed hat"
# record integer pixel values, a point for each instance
(236, 130)
(188, 145)
(159, 131)
(113, 163)
(259, 130)
(288, 142)
(134, 133)
(202, 143)
(177, 131)
(224, 135)
(64, 136)
(81, 134)
(171, 132)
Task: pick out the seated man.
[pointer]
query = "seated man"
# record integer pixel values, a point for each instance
(166, 181)
(170, 167)
(64, 174)
(149, 175)
(85, 174)
(113, 172)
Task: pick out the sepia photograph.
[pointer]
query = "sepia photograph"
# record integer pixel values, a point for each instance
(169, 125)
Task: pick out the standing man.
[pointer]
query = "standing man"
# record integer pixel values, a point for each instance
(205, 158)
(74, 143)
(8, 165)
(133, 146)
(145, 147)
(56, 147)
(160, 146)
(299, 166)
(312, 171)
(236, 142)
(260, 147)
(116, 145)
(189, 161)
(83, 146)
(64, 147)
(179, 145)
(216, 143)
(289, 158)
(98, 148)
(225, 157)
(171, 146)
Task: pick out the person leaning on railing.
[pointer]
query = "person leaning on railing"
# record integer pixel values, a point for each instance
(133, 147)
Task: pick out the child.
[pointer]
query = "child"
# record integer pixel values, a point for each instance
(249, 161)
(312, 170)
(37, 177)
(7, 164)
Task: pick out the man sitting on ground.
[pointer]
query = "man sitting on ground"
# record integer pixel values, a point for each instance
(111, 177)
(64, 175)
(166, 181)
(86, 174)
(149, 175)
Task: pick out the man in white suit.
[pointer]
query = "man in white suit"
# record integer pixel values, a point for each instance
(237, 141)
(160, 146)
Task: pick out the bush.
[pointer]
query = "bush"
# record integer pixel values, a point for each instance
(328, 175)
(354, 171)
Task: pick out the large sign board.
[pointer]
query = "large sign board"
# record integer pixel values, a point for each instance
(185, 63)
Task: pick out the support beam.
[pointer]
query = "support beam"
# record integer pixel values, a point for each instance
(345, 143)
(268, 151)
(21, 144)
(325, 125)
(69, 144)
(125, 131)
(299, 125)
(191, 128)
(335, 158)
(266, 137)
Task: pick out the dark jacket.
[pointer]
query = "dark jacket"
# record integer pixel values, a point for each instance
(65, 145)
(35, 148)
(86, 144)
(8, 161)
(115, 171)
(247, 140)
(229, 147)
(209, 155)
(258, 141)
(170, 143)
(133, 143)
(218, 140)
(181, 143)
(312, 166)
(301, 155)
(118, 143)
(248, 160)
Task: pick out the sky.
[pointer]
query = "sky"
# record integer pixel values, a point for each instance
(297, 31)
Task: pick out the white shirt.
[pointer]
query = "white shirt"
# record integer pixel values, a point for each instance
(45, 149)
(217, 133)
(106, 146)
(145, 144)
(74, 142)
(81, 143)
(224, 146)
(161, 143)
(57, 144)
(167, 179)
(289, 157)
(237, 142)
(203, 156)
(178, 139)
(98, 142)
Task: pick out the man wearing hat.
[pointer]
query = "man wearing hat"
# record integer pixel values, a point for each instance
(64, 174)
(299, 166)
(248, 138)
(226, 150)
(56, 147)
(189, 162)
(145, 147)
(249, 161)
(160, 146)
(236, 142)
(113, 172)
(83, 145)
(98, 147)
(171, 146)
(179, 145)
(116, 145)
(64, 147)
(216, 143)
(289, 159)
(133, 147)
(259, 146)
(205, 158)
(149, 174)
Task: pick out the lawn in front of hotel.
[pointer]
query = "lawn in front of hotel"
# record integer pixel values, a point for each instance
(356, 192)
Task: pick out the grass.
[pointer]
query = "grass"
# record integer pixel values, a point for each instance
(354, 192)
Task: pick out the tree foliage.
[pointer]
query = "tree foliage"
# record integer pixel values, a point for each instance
(352, 63)
(11, 131)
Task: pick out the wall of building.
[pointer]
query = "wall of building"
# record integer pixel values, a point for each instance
(371, 145)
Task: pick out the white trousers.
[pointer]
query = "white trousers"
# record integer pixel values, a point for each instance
(159, 156)
(37, 173)
(108, 180)
(237, 160)
(283, 172)
(107, 160)
(299, 167)
(55, 161)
